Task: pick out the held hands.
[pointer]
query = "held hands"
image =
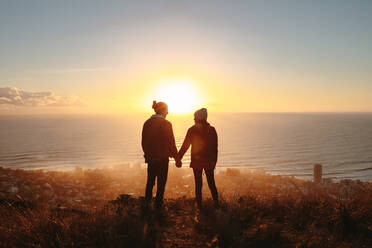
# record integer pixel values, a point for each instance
(179, 163)
(178, 159)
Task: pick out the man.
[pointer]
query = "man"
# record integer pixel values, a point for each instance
(158, 145)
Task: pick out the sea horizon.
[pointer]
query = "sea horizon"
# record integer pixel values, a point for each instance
(277, 143)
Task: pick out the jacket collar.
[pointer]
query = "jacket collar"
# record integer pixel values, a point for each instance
(157, 116)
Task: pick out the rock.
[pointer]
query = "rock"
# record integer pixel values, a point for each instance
(48, 186)
(13, 190)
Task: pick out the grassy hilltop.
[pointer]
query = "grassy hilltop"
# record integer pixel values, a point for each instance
(104, 208)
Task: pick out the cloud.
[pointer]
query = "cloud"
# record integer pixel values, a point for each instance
(18, 97)
(74, 70)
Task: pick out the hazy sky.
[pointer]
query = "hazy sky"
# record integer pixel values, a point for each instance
(110, 56)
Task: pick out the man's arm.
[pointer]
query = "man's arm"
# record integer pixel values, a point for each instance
(171, 142)
(143, 140)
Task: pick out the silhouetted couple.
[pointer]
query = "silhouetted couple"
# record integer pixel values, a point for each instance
(158, 145)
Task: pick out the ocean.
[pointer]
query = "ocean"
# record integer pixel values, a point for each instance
(277, 143)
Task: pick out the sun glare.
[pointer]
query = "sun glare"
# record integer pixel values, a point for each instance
(180, 96)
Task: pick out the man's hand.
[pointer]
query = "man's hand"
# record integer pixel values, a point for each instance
(179, 163)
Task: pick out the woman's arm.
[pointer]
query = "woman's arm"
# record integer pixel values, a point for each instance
(186, 144)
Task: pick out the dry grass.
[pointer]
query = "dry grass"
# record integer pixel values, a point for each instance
(257, 210)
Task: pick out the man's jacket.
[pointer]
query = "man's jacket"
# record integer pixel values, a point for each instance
(158, 142)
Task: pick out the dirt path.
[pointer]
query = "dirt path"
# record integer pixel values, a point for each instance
(179, 230)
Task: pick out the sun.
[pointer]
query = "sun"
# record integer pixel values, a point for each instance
(180, 95)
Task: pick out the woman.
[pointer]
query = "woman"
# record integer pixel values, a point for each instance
(158, 145)
(203, 140)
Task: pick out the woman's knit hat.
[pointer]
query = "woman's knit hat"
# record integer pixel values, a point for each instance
(201, 114)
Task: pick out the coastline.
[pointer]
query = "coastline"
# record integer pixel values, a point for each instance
(87, 187)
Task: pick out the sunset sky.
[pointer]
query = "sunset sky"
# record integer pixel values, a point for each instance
(229, 56)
